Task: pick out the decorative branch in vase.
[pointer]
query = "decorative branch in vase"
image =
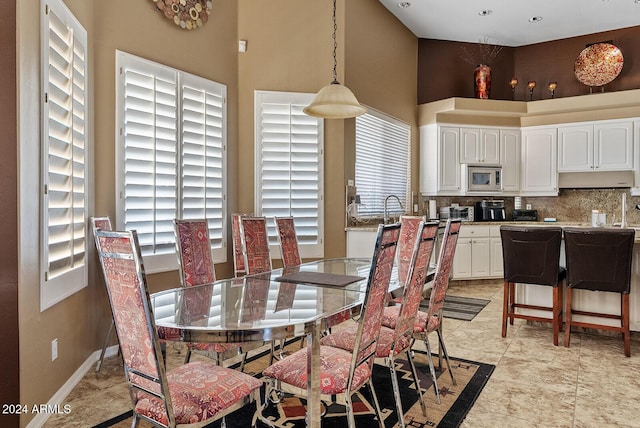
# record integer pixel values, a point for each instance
(480, 55)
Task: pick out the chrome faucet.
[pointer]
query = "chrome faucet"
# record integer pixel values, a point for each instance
(386, 201)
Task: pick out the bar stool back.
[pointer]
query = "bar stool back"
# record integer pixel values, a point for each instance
(532, 256)
(599, 259)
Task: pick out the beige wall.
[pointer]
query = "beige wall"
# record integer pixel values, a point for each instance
(289, 49)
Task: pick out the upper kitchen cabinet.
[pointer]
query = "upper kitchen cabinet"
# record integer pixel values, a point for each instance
(480, 146)
(539, 169)
(440, 160)
(510, 160)
(596, 146)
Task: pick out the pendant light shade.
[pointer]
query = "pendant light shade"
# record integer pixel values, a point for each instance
(335, 101)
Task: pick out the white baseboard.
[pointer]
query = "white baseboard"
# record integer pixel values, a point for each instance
(62, 393)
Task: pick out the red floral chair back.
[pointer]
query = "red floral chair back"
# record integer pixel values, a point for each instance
(288, 241)
(126, 284)
(255, 244)
(412, 294)
(376, 293)
(443, 271)
(100, 223)
(194, 252)
(406, 244)
(238, 255)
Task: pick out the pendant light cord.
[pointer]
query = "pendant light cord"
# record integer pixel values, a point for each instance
(335, 46)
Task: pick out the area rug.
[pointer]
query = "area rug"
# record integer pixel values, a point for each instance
(460, 308)
(456, 400)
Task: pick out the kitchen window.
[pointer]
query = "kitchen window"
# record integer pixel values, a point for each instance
(289, 167)
(383, 163)
(171, 156)
(64, 153)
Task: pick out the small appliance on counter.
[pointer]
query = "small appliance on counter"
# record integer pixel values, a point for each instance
(490, 210)
(457, 212)
(525, 215)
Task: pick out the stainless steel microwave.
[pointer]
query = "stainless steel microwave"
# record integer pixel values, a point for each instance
(483, 178)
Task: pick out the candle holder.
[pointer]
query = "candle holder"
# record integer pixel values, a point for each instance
(552, 88)
(531, 85)
(513, 83)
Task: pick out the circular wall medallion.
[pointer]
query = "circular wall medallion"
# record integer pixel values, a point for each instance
(598, 64)
(186, 14)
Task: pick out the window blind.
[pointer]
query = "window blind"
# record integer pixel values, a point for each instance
(383, 163)
(289, 167)
(173, 136)
(64, 211)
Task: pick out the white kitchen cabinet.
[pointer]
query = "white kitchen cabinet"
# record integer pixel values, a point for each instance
(496, 269)
(601, 146)
(440, 160)
(539, 169)
(361, 242)
(510, 160)
(474, 251)
(480, 146)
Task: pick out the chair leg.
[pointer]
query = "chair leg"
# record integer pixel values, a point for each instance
(376, 403)
(626, 333)
(351, 421)
(446, 357)
(505, 309)
(512, 300)
(567, 314)
(431, 369)
(556, 313)
(416, 380)
(396, 390)
(104, 346)
(187, 356)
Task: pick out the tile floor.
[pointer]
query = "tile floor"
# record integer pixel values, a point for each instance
(535, 384)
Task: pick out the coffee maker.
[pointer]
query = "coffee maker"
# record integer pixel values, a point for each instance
(490, 210)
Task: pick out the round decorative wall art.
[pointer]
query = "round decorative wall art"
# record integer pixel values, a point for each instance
(598, 64)
(186, 14)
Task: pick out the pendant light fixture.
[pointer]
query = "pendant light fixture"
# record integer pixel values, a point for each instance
(335, 101)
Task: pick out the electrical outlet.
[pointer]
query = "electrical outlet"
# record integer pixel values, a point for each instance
(54, 349)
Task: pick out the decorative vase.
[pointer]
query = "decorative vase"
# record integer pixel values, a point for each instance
(482, 79)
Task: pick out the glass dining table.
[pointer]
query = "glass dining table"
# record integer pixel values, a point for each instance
(279, 304)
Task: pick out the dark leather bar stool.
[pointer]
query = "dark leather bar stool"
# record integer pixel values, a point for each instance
(532, 256)
(599, 260)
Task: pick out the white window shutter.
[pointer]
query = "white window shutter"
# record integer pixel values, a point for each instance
(383, 163)
(64, 130)
(289, 167)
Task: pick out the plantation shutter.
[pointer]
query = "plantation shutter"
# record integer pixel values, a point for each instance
(203, 146)
(289, 167)
(65, 127)
(383, 163)
(150, 162)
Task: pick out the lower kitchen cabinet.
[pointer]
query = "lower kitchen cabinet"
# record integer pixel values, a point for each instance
(478, 253)
(361, 242)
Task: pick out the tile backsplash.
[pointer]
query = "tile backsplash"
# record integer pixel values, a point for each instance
(571, 205)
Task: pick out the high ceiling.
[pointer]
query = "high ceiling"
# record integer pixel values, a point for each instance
(512, 23)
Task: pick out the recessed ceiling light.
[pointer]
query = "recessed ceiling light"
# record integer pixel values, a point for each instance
(535, 19)
(486, 12)
(404, 4)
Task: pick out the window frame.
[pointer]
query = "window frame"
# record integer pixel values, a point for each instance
(54, 289)
(167, 260)
(300, 99)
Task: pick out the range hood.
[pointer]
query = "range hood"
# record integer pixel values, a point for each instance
(595, 179)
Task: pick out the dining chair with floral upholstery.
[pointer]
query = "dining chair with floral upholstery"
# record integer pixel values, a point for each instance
(102, 223)
(288, 240)
(255, 244)
(431, 321)
(238, 254)
(406, 244)
(196, 393)
(343, 372)
(393, 342)
(196, 267)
